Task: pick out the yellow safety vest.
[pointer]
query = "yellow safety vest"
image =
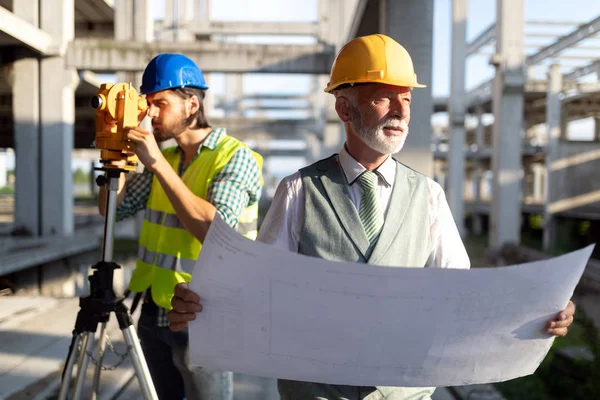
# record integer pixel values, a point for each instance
(167, 252)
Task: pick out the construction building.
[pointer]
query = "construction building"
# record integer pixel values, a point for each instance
(506, 155)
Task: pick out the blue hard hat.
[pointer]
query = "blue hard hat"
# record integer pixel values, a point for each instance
(171, 71)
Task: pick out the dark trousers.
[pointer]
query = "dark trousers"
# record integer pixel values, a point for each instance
(174, 378)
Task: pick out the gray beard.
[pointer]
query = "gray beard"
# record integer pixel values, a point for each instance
(376, 140)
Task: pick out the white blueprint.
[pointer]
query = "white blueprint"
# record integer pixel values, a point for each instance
(268, 312)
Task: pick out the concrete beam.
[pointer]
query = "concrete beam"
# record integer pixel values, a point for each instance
(484, 38)
(27, 34)
(89, 83)
(483, 93)
(456, 106)
(480, 94)
(276, 126)
(94, 11)
(581, 33)
(274, 96)
(111, 56)
(594, 67)
(244, 28)
(265, 107)
(508, 100)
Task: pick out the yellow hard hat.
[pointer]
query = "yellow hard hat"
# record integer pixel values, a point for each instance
(373, 59)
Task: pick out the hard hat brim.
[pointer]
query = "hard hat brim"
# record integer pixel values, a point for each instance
(331, 87)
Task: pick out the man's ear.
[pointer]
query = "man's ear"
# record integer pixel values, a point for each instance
(343, 109)
(193, 104)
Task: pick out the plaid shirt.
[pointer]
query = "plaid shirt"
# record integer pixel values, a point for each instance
(233, 189)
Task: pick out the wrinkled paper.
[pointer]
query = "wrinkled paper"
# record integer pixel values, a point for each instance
(268, 312)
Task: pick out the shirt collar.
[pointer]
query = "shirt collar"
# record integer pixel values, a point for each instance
(211, 140)
(353, 169)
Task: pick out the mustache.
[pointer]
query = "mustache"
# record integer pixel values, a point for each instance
(395, 123)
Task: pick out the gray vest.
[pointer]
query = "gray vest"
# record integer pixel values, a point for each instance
(333, 231)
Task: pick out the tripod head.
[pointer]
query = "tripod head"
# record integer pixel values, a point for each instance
(117, 106)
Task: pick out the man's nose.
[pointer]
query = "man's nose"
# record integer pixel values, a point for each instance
(152, 111)
(399, 109)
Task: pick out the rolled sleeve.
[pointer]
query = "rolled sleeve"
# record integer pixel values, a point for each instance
(236, 187)
(137, 191)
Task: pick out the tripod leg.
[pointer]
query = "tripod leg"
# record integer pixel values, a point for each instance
(86, 348)
(68, 372)
(99, 358)
(139, 363)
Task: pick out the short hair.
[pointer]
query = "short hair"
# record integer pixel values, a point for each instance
(199, 117)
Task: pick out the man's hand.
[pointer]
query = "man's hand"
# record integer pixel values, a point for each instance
(185, 306)
(560, 325)
(145, 147)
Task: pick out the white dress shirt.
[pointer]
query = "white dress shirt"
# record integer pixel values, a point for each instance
(285, 219)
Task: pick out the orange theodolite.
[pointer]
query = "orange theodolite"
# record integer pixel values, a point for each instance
(117, 106)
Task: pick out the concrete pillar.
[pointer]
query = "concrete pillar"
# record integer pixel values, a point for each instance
(508, 93)
(477, 226)
(24, 77)
(313, 148)
(143, 23)
(183, 20)
(168, 33)
(410, 23)
(456, 107)
(479, 129)
(334, 138)
(134, 22)
(57, 105)
(3, 170)
(202, 11)
(209, 98)
(476, 218)
(334, 18)
(234, 93)
(137, 16)
(124, 26)
(538, 182)
(553, 122)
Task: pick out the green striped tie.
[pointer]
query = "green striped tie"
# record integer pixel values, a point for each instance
(370, 214)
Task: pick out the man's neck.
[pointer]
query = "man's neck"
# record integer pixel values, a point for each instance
(367, 157)
(190, 140)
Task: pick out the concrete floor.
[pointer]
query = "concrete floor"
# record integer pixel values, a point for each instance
(35, 333)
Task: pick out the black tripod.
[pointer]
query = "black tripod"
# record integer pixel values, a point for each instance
(96, 309)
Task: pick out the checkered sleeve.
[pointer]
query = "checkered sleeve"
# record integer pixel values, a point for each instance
(236, 187)
(136, 195)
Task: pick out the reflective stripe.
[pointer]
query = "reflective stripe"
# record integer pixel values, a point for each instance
(244, 228)
(156, 217)
(146, 255)
(153, 216)
(166, 261)
(172, 221)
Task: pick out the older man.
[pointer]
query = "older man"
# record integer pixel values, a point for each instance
(361, 205)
